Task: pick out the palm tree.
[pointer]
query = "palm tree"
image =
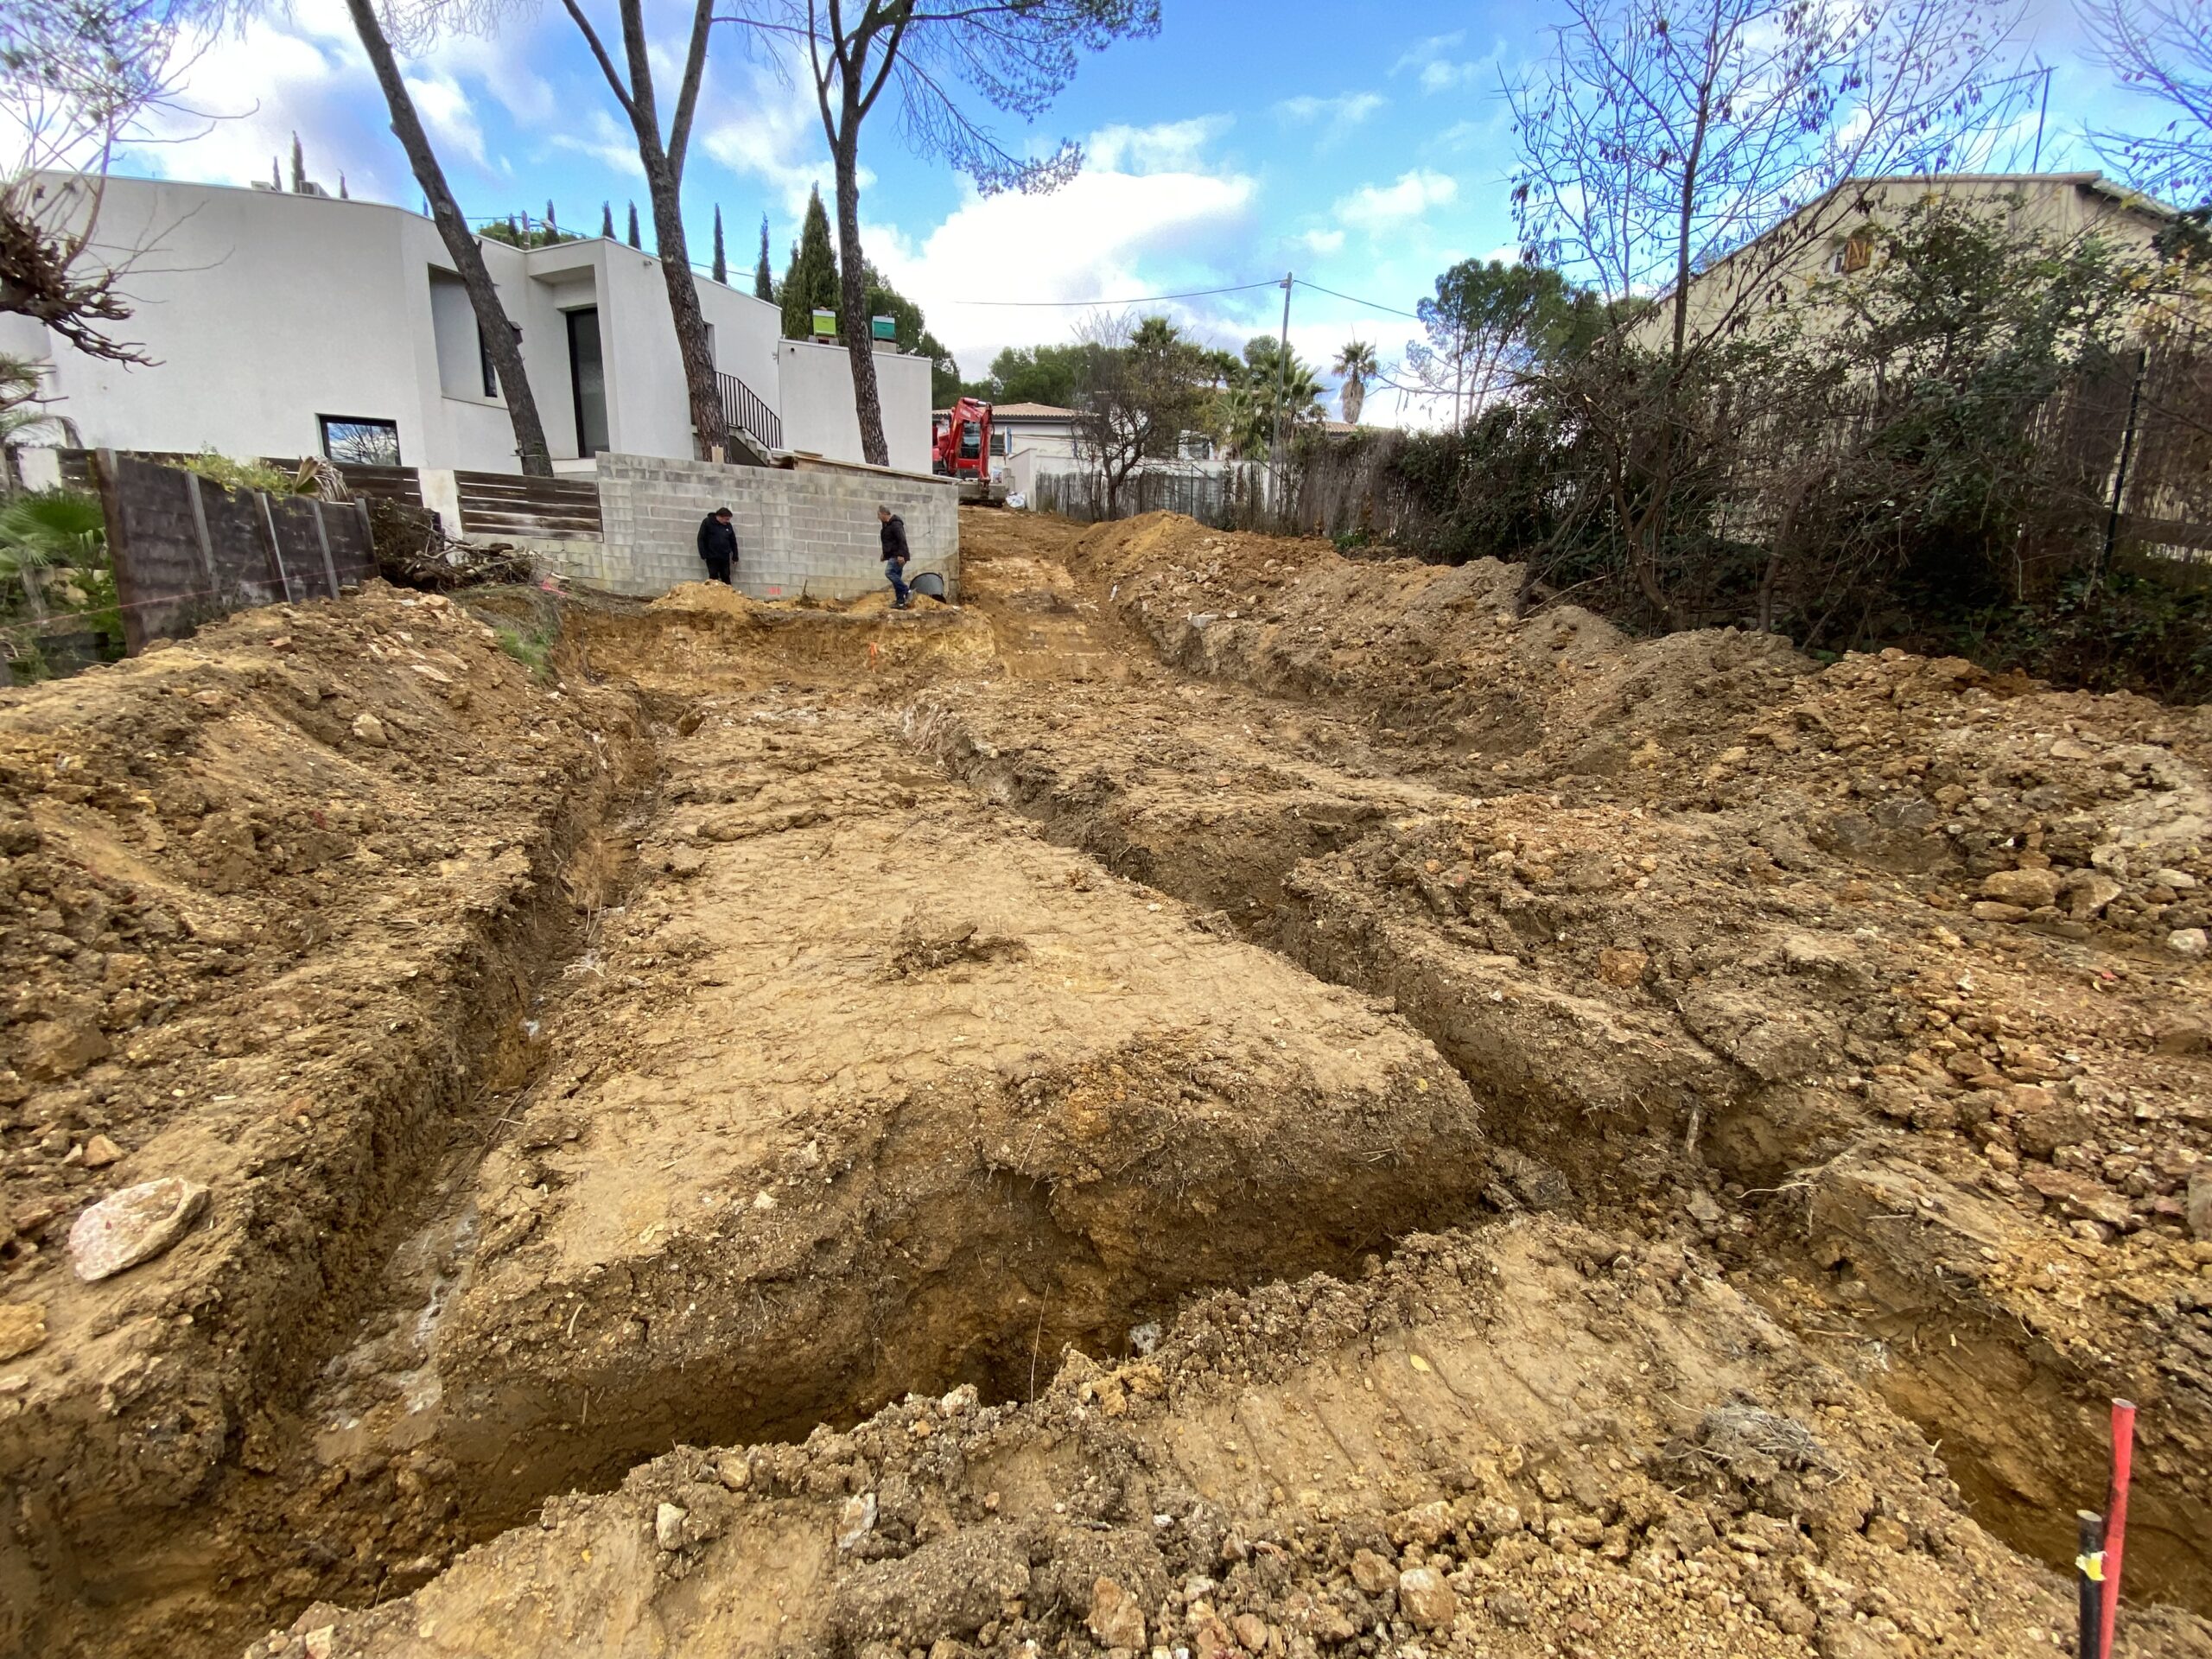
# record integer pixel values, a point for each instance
(1356, 365)
(42, 528)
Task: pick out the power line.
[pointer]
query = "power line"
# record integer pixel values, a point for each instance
(1354, 299)
(1141, 299)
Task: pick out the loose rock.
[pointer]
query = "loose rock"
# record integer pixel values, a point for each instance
(22, 1327)
(1427, 1599)
(134, 1225)
(2029, 889)
(1116, 1621)
(668, 1527)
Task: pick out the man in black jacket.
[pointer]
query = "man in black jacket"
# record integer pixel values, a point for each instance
(894, 555)
(718, 544)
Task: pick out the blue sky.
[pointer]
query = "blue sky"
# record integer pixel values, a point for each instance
(1363, 146)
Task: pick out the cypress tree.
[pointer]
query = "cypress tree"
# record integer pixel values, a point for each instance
(721, 260)
(764, 281)
(812, 279)
(633, 227)
(551, 224)
(276, 177)
(299, 168)
(607, 219)
(342, 196)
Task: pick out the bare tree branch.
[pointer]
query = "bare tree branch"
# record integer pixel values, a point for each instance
(1015, 57)
(2161, 49)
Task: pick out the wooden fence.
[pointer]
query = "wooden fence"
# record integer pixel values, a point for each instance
(186, 550)
(1229, 496)
(496, 505)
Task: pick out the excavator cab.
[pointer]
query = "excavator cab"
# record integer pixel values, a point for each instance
(961, 448)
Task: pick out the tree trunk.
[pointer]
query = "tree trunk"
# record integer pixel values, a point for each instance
(860, 343)
(502, 342)
(699, 379)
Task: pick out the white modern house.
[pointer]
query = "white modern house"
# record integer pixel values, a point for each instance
(284, 325)
(1045, 428)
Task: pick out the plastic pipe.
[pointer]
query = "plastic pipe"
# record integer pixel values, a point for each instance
(2123, 1463)
(2089, 1568)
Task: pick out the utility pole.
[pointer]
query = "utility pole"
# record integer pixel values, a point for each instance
(1282, 392)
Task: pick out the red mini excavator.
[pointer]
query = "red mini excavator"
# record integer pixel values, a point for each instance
(961, 449)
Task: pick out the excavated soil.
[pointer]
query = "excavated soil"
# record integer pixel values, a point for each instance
(1211, 1098)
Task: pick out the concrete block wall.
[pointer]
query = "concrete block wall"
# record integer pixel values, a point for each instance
(809, 529)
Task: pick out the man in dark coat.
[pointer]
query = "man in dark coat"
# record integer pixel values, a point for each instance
(718, 544)
(894, 555)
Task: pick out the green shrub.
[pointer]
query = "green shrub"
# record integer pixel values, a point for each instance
(532, 648)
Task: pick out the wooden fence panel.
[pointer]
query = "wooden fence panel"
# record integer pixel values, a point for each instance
(547, 509)
(400, 484)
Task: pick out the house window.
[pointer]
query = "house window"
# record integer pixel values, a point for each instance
(464, 361)
(998, 441)
(1856, 253)
(352, 441)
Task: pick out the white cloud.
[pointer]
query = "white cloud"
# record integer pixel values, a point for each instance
(1336, 116)
(1432, 64)
(244, 92)
(446, 112)
(1146, 198)
(607, 142)
(1171, 146)
(775, 135)
(1427, 51)
(1377, 207)
(1323, 241)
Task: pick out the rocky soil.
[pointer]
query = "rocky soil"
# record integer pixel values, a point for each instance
(1214, 1099)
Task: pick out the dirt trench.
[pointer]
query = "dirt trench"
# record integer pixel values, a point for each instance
(1702, 1005)
(769, 1117)
(887, 1007)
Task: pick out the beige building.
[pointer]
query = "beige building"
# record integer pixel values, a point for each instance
(1836, 235)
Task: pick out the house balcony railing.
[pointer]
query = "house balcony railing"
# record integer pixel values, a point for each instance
(743, 411)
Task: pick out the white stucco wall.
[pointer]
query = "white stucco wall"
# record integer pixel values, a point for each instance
(816, 387)
(262, 310)
(1045, 437)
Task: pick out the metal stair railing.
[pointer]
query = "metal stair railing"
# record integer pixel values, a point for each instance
(743, 411)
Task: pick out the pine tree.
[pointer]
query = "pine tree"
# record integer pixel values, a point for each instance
(764, 281)
(633, 227)
(299, 168)
(812, 279)
(721, 260)
(607, 219)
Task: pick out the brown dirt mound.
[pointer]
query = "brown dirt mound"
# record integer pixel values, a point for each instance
(775, 1177)
(1680, 983)
(269, 889)
(1535, 1439)
(1835, 1062)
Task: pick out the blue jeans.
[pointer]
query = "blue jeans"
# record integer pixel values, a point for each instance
(897, 572)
